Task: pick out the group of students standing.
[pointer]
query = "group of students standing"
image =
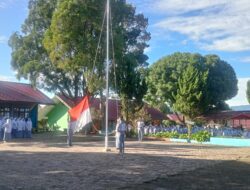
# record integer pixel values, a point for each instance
(15, 128)
(121, 128)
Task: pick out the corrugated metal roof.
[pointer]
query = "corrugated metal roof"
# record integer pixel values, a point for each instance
(94, 102)
(177, 118)
(225, 115)
(113, 103)
(20, 92)
(156, 114)
(241, 116)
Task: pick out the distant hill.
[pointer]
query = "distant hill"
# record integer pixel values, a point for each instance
(241, 108)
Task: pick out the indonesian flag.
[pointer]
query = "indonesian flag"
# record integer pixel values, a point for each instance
(80, 114)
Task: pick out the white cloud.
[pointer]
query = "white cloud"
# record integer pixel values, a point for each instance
(214, 25)
(232, 44)
(5, 3)
(246, 59)
(3, 39)
(184, 6)
(7, 78)
(240, 98)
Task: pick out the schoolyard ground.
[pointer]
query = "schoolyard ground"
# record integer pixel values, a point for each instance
(45, 162)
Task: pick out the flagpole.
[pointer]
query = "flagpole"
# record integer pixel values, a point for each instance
(107, 80)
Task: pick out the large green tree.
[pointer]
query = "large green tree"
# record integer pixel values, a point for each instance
(222, 82)
(248, 91)
(29, 57)
(130, 62)
(165, 76)
(71, 41)
(192, 98)
(56, 49)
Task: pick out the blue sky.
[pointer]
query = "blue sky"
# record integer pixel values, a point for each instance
(219, 27)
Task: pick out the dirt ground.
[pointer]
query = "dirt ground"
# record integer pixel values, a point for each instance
(45, 162)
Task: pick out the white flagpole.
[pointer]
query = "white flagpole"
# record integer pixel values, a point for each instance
(107, 79)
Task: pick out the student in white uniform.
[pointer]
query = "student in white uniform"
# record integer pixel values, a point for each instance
(1, 128)
(14, 128)
(25, 128)
(7, 130)
(117, 134)
(70, 132)
(140, 129)
(19, 128)
(29, 128)
(145, 130)
(23, 123)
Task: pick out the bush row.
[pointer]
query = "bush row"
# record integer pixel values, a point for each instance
(201, 136)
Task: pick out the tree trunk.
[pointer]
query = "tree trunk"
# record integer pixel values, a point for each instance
(76, 88)
(127, 106)
(178, 117)
(188, 123)
(189, 132)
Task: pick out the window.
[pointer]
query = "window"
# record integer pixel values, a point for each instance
(24, 112)
(9, 111)
(5, 111)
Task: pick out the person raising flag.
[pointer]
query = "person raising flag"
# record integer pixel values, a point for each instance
(122, 128)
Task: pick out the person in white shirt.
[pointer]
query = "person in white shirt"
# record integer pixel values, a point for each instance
(19, 128)
(122, 128)
(117, 134)
(23, 123)
(25, 130)
(140, 129)
(70, 132)
(1, 128)
(14, 128)
(129, 126)
(7, 130)
(29, 128)
(146, 129)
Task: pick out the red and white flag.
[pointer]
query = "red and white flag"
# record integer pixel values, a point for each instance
(80, 114)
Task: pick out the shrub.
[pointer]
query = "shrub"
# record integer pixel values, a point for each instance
(166, 134)
(183, 136)
(132, 133)
(201, 136)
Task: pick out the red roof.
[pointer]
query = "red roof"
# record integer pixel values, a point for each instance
(19, 92)
(114, 107)
(156, 114)
(242, 116)
(94, 102)
(225, 115)
(174, 117)
(113, 104)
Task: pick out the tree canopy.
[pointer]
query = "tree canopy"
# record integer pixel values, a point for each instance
(56, 48)
(191, 98)
(191, 83)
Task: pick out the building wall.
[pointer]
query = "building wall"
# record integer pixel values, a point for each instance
(58, 117)
(245, 123)
(34, 115)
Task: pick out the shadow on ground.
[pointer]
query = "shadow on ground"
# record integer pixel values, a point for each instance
(45, 162)
(228, 175)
